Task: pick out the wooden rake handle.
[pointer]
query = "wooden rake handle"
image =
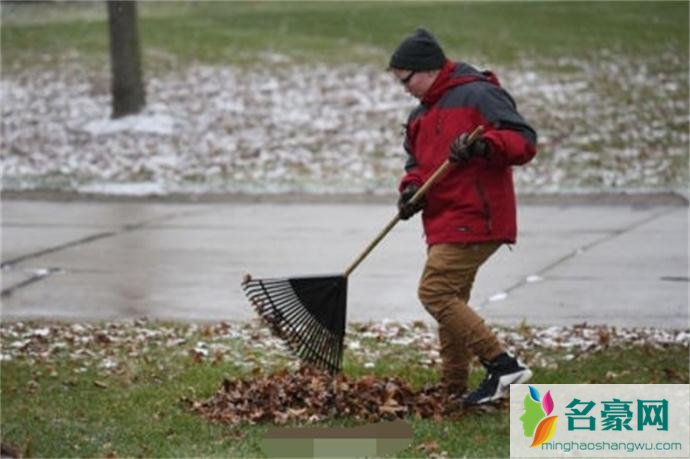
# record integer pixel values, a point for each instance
(417, 196)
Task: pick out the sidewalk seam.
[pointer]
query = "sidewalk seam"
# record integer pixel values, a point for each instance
(9, 264)
(584, 248)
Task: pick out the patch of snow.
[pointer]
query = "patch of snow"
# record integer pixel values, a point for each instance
(143, 123)
(500, 296)
(354, 345)
(274, 58)
(123, 189)
(108, 364)
(42, 332)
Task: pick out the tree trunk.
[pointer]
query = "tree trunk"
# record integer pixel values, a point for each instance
(125, 61)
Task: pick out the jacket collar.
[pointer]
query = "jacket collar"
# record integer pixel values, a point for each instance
(452, 75)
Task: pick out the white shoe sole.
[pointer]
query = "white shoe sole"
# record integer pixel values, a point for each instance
(504, 383)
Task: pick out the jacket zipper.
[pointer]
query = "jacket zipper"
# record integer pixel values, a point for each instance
(485, 206)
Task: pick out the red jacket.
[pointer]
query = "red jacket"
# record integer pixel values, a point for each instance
(476, 201)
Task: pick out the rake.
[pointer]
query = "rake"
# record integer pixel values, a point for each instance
(308, 313)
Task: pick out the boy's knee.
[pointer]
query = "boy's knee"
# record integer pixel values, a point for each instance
(432, 300)
(425, 295)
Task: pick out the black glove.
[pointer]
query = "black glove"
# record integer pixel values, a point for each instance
(405, 209)
(461, 152)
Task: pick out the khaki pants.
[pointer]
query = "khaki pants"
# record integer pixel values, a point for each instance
(444, 290)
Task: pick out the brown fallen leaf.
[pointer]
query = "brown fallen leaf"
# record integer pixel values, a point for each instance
(429, 447)
(673, 374)
(9, 451)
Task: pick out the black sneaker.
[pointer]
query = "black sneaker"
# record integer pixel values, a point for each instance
(503, 371)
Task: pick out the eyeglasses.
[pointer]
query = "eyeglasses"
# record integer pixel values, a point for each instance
(406, 80)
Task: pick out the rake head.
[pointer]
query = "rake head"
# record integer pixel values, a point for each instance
(308, 313)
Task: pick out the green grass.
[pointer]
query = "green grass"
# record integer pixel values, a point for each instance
(233, 32)
(60, 408)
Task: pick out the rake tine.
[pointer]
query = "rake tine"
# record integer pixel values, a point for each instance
(296, 313)
(310, 344)
(294, 319)
(313, 356)
(314, 339)
(330, 346)
(300, 340)
(336, 353)
(321, 341)
(293, 308)
(324, 347)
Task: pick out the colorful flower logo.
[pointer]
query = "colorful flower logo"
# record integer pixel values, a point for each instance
(536, 422)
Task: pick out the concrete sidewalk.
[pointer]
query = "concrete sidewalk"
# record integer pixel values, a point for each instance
(617, 265)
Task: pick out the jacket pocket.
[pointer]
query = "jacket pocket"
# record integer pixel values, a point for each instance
(485, 206)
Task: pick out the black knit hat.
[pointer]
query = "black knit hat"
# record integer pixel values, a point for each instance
(419, 51)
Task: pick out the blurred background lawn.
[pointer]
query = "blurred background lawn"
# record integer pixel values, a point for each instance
(605, 83)
(339, 32)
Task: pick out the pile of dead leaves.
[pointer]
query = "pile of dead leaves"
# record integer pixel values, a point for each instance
(313, 395)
